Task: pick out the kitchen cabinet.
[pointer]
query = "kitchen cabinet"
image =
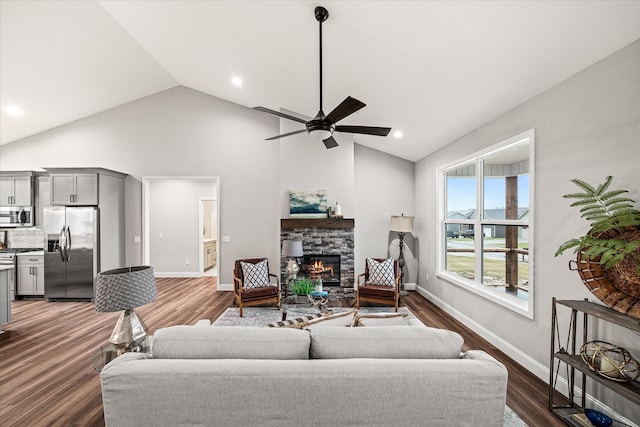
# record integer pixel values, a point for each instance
(30, 275)
(210, 254)
(5, 295)
(43, 197)
(74, 189)
(99, 187)
(16, 189)
(573, 361)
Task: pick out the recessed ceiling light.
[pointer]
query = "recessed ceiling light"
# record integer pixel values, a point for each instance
(237, 81)
(397, 134)
(13, 110)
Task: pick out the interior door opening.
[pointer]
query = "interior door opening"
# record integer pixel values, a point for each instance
(209, 221)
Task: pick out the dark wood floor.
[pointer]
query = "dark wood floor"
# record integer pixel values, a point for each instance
(46, 374)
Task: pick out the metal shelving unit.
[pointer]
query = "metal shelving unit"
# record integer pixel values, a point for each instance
(571, 356)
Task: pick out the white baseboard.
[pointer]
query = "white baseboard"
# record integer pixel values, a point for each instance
(538, 369)
(410, 286)
(225, 287)
(177, 274)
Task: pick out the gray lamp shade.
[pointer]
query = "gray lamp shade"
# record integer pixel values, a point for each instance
(292, 248)
(124, 288)
(402, 224)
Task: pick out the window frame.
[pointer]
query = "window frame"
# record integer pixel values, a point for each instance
(513, 303)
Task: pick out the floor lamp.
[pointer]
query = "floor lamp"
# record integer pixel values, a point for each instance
(401, 225)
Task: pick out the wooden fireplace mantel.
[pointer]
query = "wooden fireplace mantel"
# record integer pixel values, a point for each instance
(291, 223)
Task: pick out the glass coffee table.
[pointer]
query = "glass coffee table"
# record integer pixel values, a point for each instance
(306, 304)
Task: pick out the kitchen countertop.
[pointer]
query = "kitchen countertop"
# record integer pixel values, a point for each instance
(5, 267)
(32, 253)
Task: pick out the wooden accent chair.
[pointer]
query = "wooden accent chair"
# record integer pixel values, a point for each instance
(252, 283)
(380, 282)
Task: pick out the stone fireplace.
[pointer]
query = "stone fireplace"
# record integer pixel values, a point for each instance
(324, 237)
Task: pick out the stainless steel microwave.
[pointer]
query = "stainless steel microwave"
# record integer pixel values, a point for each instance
(16, 216)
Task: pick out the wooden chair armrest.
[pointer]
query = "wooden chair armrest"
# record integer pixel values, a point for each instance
(275, 277)
(237, 285)
(360, 275)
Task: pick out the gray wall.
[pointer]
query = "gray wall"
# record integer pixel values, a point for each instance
(178, 132)
(587, 127)
(181, 132)
(174, 213)
(385, 187)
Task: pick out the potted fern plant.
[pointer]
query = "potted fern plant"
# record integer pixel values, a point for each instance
(608, 256)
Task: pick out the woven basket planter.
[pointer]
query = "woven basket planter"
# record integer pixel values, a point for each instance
(617, 287)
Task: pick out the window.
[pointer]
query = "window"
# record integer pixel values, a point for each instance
(484, 224)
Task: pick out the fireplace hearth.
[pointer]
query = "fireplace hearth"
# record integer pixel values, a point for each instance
(324, 267)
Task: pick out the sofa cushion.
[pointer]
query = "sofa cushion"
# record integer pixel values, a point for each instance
(381, 273)
(384, 342)
(220, 342)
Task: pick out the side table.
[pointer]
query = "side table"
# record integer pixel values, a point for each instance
(107, 352)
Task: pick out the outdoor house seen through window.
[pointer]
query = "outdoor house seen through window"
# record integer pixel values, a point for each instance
(485, 223)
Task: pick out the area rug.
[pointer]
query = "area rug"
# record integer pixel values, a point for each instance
(261, 317)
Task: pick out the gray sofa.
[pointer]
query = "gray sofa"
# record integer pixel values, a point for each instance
(361, 376)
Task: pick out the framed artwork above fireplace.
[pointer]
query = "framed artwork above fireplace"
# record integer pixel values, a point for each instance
(308, 203)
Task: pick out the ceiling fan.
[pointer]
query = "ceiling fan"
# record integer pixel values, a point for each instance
(322, 126)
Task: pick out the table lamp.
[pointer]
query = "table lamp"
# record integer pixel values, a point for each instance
(125, 289)
(292, 249)
(401, 225)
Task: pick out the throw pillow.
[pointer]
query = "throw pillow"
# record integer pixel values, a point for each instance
(298, 322)
(381, 273)
(255, 275)
(332, 320)
(380, 319)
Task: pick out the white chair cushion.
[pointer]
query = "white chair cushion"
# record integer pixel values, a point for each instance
(255, 275)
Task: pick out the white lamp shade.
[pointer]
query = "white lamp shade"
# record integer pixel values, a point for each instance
(402, 224)
(292, 248)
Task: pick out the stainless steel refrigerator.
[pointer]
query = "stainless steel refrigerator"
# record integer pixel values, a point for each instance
(71, 256)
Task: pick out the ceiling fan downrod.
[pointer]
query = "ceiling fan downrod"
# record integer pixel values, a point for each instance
(322, 15)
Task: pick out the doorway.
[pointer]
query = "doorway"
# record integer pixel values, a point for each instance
(209, 222)
(173, 224)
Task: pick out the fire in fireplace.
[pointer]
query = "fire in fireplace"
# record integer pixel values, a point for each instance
(325, 267)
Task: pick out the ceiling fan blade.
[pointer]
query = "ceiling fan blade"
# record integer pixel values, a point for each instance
(279, 114)
(365, 130)
(330, 142)
(347, 107)
(286, 134)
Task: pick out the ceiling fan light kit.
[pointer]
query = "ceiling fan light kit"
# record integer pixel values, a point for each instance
(323, 126)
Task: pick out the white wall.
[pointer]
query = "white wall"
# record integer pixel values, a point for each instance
(178, 132)
(182, 132)
(174, 210)
(385, 187)
(587, 127)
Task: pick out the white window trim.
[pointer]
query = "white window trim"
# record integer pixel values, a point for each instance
(519, 306)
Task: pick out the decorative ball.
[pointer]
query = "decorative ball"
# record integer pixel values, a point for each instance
(609, 361)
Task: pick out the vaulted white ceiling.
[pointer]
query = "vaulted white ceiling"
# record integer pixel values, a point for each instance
(434, 70)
